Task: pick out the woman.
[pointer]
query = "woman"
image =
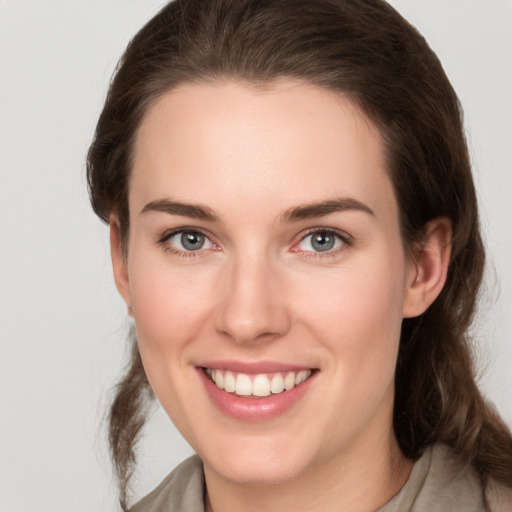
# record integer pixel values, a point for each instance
(294, 230)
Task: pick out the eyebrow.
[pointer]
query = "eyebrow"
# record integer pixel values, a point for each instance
(194, 211)
(302, 212)
(322, 208)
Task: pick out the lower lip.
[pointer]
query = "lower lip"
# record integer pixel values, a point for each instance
(254, 409)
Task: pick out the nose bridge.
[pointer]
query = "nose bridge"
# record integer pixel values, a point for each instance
(252, 305)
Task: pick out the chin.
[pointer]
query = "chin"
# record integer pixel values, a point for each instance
(258, 462)
(258, 472)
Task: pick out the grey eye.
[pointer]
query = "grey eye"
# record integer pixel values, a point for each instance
(322, 241)
(192, 240)
(188, 241)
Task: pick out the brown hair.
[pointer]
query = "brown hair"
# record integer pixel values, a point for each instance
(368, 52)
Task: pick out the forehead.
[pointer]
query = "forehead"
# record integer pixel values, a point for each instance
(212, 142)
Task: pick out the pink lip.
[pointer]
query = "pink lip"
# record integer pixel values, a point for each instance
(254, 409)
(253, 368)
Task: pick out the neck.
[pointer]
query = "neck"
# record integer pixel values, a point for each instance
(361, 481)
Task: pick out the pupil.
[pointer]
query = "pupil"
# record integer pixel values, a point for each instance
(192, 241)
(323, 242)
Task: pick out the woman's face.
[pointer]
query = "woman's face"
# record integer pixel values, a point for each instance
(264, 249)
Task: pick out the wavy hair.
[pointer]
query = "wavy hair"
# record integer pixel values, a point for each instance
(368, 52)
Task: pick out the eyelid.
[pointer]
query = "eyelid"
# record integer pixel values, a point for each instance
(164, 238)
(345, 238)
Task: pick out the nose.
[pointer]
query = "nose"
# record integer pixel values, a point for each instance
(252, 304)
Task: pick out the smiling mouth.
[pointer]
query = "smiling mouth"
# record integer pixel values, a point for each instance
(256, 386)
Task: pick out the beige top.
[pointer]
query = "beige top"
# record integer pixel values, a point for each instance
(439, 482)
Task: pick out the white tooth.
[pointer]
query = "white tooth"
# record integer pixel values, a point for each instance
(229, 382)
(261, 386)
(289, 381)
(243, 385)
(219, 379)
(301, 377)
(277, 384)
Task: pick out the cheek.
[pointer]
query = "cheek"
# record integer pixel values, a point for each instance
(357, 302)
(357, 313)
(169, 311)
(361, 325)
(168, 307)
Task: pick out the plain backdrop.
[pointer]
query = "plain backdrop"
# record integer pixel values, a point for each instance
(62, 325)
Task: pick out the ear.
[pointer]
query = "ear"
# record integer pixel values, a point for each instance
(119, 262)
(428, 267)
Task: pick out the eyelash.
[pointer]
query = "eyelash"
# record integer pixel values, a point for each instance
(344, 238)
(163, 241)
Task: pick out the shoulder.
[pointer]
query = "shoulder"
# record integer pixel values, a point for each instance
(182, 489)
(498, 497)
(440, 481)
(448, 483)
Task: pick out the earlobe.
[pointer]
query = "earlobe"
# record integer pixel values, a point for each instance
(428, 268)
(119, 262)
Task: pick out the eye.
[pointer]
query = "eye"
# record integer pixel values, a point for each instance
(188, 241)
(321, 241)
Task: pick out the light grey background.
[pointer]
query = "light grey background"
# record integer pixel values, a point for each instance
(62, 325)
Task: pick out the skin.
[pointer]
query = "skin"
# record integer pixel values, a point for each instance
(258, 290)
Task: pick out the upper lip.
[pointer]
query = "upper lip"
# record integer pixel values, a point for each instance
(254, 367)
